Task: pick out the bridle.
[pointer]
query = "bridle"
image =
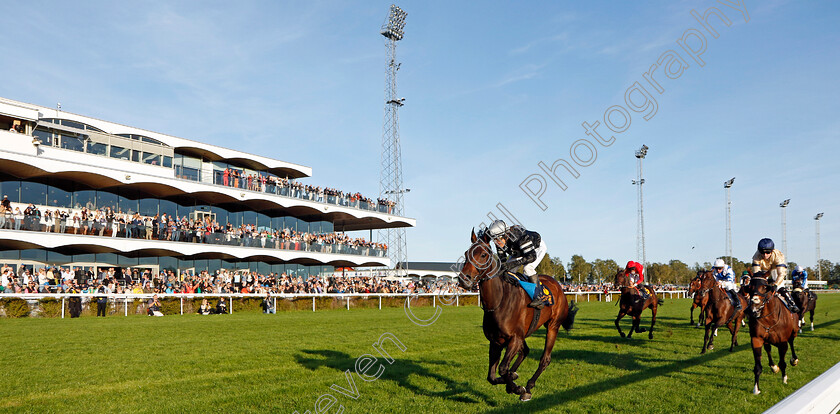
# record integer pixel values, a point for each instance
(767, 296)
(485, 274)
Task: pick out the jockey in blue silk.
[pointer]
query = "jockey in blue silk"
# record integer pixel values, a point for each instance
(726, 279)
(799, 274)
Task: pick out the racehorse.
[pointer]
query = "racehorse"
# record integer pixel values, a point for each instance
(628, 305)
(806, 300)
(771, 323)
(507, 318)
(699, 298)
(719, 311)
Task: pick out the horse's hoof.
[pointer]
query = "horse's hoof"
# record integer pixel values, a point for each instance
(703, 351)
(812, 326)
(519, 390)
(711, 347)
(698, 325)
(794, 362)
(622, 334)
(756, 391)
(526, 396)
(800, 330)
(650, 335)
(784, 379)
(514, 376)
(715, 331)
(774, 368)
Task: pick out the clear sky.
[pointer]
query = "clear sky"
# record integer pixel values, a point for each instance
(491, 88)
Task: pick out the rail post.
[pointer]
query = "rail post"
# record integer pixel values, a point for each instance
(182, 305)
(62, 307)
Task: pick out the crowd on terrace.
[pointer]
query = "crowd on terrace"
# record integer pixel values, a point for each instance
(232, 177)
(67, 279)
(106, 222)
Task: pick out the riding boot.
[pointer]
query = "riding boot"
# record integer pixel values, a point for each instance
(791, 304)
(736, 302)
(643, 291)
(539, 298)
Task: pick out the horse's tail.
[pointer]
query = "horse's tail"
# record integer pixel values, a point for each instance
(570, 318)
(660, 301)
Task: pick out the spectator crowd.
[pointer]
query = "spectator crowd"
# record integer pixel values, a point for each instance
(106, 222)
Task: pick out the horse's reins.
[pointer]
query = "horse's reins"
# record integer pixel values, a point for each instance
(767, 297)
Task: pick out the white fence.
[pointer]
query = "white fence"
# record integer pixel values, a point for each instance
(126, 298)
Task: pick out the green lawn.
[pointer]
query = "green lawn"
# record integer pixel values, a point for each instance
(282, 363)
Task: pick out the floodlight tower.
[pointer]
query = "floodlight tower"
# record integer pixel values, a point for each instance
(817, 222)
(784, 205)
(390, 177)
(640, 223)
(727, 185)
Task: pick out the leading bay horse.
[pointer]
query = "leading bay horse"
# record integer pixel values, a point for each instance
(771, 323)
(699, 298)
(806, 300)
(628, 305)
(507, 318)
(719, 311)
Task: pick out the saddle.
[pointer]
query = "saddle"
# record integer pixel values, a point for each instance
(530, 288)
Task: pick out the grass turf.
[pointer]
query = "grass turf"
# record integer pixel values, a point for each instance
(250, 362)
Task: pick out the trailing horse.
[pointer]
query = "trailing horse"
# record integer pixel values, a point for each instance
(719, 311)
(771, 323)
(628, 305)
(806, 300)
(507, 318)
(699, 298)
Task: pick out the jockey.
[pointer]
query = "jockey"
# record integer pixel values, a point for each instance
(635, 272)
(517, 247)
(745, 278)
(768, 259)
(726, 279)
(799, 274)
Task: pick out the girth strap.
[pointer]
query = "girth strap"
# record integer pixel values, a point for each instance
(534, 321)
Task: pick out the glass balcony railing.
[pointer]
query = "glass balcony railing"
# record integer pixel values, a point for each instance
(142, 232)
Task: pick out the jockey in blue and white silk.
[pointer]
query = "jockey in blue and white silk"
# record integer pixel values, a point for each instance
(726, 279)
(801, 275)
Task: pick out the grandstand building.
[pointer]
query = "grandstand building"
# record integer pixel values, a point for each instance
(92, 194)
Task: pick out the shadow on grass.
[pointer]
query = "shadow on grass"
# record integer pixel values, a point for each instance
(556, 400)
(399, 373)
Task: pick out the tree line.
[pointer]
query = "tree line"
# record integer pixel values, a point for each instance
(675, 272)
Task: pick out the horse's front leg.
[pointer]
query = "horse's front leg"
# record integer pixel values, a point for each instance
(757, 367)
(794, 360)
(708, 338)
(773, 367)
(693, 305)
(652, 317)
(523, 353)
(621, 314)
(513, 348)
(783, 346)
(545, 359)
(495, 355)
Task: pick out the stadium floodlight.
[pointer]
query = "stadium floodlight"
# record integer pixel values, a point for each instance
(817, 223)
(393, 27)
(784, 205)
(640, 213)
(728, 185)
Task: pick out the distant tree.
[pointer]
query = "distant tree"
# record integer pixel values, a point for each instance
(603, 270)
(682, 273)
(579, 268)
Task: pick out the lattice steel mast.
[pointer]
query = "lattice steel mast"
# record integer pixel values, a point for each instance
(640, 223)
(391, 179)
(728, 185)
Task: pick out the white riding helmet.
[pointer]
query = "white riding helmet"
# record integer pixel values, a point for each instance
(798, 269)
(719, 263)
(497, 228)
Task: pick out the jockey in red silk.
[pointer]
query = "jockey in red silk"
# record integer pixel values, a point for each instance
(636, 273)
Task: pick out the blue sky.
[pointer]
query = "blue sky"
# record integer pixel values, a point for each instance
(491, 90)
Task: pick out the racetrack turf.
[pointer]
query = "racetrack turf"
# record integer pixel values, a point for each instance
(250, 362)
